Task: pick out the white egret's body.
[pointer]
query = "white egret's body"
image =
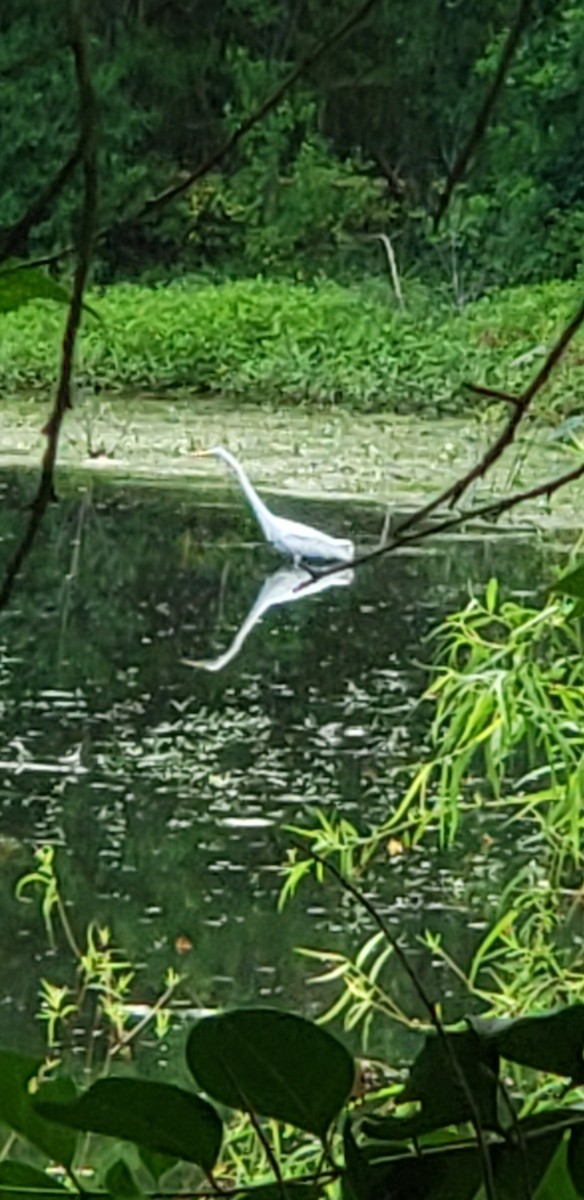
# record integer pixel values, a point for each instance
(293, 538)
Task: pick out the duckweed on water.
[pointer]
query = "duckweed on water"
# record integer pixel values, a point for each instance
(323, 343)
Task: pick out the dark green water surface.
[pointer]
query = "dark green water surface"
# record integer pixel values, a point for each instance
(166, 788)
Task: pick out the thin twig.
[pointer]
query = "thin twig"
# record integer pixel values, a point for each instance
(14, 238)
(484, 114)
(265, 1142)
(45, 493)
(454, 491)
(392, 266)
(430, 1007)
(493, 508)
(479, 389)
(214, 160)
(144, 1021)
(198, 1194)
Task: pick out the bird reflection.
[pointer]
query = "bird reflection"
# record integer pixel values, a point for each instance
(283, 587)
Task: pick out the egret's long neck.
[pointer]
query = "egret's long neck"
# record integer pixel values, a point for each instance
(261, 511)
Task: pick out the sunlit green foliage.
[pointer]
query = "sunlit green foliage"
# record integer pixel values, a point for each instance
(277, 1069)
(506, 741)
(323, 343)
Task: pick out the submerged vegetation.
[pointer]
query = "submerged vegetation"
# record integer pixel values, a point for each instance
(322, 343)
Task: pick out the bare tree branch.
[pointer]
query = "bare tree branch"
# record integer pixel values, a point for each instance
(87, 136)
(492, 508)
(452, 494)
(484, 114)
(258, 113)
(431, 1010)
(248, 123)
(13, 239)
(521, 405)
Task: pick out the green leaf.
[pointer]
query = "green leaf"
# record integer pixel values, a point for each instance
(20, 285)
(294, 1190)
(394, 1130)
(161, 1117)
(467, 1068)
(557, 1183)
(520, 1165)
(571, 584)
(552, 1042)
(14, 1176)
(120, 1182)
(17, 1106)
(156, 1164)
(449, 1172)
(576, 1159)
(272, 1062)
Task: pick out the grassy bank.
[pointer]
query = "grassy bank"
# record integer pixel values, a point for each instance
(324, 343)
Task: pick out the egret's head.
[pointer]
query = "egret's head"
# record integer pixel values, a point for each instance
(213, 452)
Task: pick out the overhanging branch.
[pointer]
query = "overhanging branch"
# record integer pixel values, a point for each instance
(170, 193)
(479, 129)
(12, 240)
(87, 141)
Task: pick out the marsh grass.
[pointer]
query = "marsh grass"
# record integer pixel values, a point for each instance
(322, 343)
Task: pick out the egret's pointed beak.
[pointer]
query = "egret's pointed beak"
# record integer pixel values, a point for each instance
(200, 453)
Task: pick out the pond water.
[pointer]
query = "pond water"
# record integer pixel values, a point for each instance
(167, 789)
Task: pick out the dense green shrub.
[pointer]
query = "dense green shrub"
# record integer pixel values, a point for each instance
(321, 343)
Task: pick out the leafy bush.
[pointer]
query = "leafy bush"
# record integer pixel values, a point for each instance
(452, 1130)
(322, 343)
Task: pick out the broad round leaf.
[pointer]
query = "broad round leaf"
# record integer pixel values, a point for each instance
(17, 1108)
(272, 1062)
(552, 1041)
(159, 1116)
(467, 1068)
(19, 286)
(16, 1176)
(120, 1182)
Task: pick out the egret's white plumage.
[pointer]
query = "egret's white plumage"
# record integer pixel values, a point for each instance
(288, 584)
(293, 538)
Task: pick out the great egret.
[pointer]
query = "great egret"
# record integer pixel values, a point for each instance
(286, 585)
(294, 538)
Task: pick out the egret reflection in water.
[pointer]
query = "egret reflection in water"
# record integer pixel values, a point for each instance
(283, 587)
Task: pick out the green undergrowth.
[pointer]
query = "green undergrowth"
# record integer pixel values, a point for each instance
(323, 343)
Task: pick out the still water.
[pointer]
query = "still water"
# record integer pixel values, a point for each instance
(167, 788)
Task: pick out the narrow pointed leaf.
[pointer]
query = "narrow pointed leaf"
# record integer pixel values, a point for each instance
(576, 1159)
(161, 1117)
(571, 584)
(557, 1183)
(272, 1062)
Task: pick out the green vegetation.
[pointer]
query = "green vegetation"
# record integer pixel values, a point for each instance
(505, 742)
(265, 278)
(323, 343)
(273, 1109)
(360, 145)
